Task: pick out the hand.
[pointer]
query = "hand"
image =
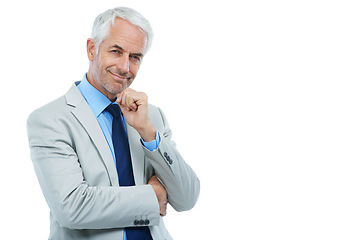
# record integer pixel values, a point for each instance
(134, 106)
(160, 194)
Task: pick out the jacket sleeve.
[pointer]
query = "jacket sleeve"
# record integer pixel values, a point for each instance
(179, 179)
(73, 202)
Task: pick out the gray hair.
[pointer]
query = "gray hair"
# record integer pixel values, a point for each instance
(102, 25)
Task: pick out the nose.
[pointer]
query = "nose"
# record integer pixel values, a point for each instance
(124, 63)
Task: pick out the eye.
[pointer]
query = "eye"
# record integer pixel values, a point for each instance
(135, 59)
(115, 51)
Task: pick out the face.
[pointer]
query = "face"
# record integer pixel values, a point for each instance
(119, 57)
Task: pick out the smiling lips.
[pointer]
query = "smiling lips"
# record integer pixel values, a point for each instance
(120, 75)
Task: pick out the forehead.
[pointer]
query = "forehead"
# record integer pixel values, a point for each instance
(126, 35)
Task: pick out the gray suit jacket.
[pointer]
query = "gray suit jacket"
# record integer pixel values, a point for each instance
(77, 174)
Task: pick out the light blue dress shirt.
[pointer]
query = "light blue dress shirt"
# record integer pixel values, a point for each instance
(98, 102)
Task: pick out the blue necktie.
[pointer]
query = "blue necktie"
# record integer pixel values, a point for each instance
(124, 166)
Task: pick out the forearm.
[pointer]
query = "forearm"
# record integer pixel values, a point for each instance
(77, 205)
(180, 181)
(72, 200)
(107, 207)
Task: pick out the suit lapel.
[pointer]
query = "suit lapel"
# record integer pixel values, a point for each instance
(87, 119)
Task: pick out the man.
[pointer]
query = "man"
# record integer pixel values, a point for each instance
(106, 173)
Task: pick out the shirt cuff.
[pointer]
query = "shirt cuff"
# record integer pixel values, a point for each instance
(151, 146)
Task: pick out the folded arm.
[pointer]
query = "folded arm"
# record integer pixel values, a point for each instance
(180, 181)
(73, 202)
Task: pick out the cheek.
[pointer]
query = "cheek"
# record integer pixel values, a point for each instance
(105, 62)
(134, 69)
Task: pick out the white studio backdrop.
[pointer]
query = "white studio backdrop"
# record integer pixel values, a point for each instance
(262, 97)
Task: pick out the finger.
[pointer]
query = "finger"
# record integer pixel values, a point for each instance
(133, 106)
(163, 212)
(118, 98)
(123, 109)
(153, 180)
(129, 99)
(164, 207)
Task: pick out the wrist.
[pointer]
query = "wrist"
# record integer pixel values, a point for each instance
(148, 134)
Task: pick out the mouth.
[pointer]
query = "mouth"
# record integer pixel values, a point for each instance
(118, 77)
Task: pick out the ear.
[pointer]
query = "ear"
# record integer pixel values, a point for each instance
(91, 49)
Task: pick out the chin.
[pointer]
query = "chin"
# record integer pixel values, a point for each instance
(112, 89)
(116, 87)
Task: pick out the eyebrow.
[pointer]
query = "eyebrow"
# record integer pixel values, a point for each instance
(133, 54)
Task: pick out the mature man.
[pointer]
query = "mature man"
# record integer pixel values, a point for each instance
(108, 172)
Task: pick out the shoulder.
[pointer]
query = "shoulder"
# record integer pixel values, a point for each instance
(50, 110)
(58, 107)
(43, 123)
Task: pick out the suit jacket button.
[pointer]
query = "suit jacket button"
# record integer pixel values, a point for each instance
(147, 222)
(136, 222)
(142, 222)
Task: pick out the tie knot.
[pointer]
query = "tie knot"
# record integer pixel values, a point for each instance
(114, 110)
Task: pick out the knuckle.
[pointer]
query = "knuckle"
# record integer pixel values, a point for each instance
(144, 95)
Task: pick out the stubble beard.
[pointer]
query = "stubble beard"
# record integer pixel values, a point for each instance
(104, 81)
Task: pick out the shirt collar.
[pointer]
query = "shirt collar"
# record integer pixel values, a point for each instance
(96, 100)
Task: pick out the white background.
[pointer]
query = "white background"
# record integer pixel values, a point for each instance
(262, 97)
